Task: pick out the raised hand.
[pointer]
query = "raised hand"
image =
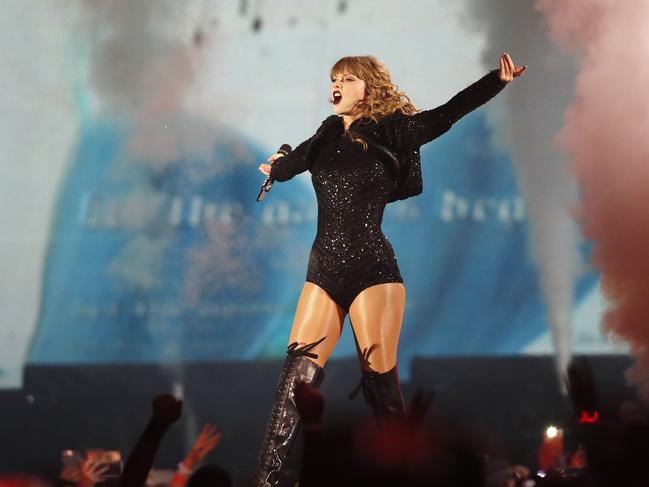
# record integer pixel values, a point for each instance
(265, 168)
(166, 409)
(508, 71)
(207, 440)
(71, 474)
(93, 471)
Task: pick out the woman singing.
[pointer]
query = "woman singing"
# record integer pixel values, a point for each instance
(362, 158)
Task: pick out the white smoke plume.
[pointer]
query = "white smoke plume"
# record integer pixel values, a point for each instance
(525, 121)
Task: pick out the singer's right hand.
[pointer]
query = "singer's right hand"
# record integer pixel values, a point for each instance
(265, 168)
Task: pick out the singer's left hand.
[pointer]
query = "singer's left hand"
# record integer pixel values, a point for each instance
(508, 70)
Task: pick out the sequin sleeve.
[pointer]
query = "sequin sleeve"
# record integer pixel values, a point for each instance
(422, 127)
(292, 164)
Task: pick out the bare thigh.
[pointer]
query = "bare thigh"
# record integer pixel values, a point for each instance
(376, 316)
(317, 316)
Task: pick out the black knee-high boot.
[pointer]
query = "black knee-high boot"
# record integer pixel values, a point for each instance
(382, 392)
(284, 418)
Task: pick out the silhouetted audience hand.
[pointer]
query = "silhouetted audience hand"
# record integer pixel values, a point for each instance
(70, 474)
(92, 471)
(207, 440)
(166, 411)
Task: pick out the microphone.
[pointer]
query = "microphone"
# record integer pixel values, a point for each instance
(268, 182)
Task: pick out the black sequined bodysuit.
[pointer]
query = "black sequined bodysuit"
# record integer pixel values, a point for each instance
(352, 186)
(350, 252)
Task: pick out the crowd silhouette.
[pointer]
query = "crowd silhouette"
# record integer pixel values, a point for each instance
(419, 449)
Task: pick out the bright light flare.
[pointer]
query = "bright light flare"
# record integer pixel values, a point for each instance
(551, 432)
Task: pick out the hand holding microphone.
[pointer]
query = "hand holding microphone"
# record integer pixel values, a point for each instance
(265, 168)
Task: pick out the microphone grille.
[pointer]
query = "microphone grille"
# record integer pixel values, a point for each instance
(285, 149)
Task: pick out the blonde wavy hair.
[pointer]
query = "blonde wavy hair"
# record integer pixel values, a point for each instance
(382, 96)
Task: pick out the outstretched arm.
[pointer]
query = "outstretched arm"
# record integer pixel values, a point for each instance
(425, 126)
(207, 440)
(166, 411)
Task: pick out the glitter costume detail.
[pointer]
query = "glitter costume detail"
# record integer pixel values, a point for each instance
(350, 252)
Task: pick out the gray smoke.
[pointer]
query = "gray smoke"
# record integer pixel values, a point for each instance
(140, 65)
(143, 63)
(143, 60)
(525, 121)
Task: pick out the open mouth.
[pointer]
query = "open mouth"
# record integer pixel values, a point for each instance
(337, 96)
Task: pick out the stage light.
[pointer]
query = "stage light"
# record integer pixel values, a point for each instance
(551, 432)
(588, 417)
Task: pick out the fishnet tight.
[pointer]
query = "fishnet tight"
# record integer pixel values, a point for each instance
(376, 316)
